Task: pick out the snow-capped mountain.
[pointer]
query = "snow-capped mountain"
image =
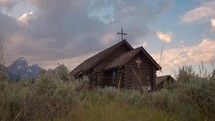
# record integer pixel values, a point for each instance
(20, 69)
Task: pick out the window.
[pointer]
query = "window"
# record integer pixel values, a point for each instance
(114, 75)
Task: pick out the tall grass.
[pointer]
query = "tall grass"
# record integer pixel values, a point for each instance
(57, 97)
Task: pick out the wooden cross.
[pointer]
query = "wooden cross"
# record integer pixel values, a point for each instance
(122, 33)
(138, 61)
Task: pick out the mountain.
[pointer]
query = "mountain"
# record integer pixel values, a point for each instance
(20, 69)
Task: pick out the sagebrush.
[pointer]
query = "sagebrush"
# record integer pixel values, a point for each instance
(56, 96)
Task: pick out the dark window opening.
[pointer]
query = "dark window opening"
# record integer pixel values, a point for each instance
(114, 76)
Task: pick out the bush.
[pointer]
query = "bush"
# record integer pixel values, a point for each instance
(185, 74)
(200, 94)
(165, 100)
(46, 98)
(50, 97)
(197, 95)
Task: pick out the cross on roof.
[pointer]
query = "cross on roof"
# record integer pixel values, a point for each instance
(122, 33)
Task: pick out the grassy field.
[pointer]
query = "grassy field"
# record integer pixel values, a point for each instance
(51, 98)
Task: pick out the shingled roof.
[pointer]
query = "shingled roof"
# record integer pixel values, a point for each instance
(160, 79)
(123, 59)
(91, 62)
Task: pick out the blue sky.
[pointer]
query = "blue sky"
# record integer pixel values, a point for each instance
(48, 32)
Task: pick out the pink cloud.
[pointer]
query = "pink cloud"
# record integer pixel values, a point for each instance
(203, 52)
(165, 37)
(213, 24)
(145, 44)
(25, 17)
(107, 38)
(201, 13)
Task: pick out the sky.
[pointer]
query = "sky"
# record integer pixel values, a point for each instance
(47, 32)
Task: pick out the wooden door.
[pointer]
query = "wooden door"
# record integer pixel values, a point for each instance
(137, 78)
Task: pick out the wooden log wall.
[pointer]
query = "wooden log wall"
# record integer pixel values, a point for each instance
(128, 77)
(147, 68)
(107, 79)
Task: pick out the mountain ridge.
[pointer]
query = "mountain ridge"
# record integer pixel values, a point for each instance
(20, 69)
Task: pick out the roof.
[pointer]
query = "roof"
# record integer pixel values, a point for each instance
(160, 79)
(91, 62)
(123, 59)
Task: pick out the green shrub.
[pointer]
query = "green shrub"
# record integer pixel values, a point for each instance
(165, 100)
(197, 95)
(133, 98)
(49, 97)
(46, 98)
(185, 74)
(200, 94)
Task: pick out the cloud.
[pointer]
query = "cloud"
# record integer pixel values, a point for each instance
(7, 5)
(8, 25)
(61, 30)
(145, 45)
(213, 24)
(71, 63)
(199, 14)
(4, 1)
(203, 52)
(107, 38)
(181, 43)
(165, 37)
(25, 18)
